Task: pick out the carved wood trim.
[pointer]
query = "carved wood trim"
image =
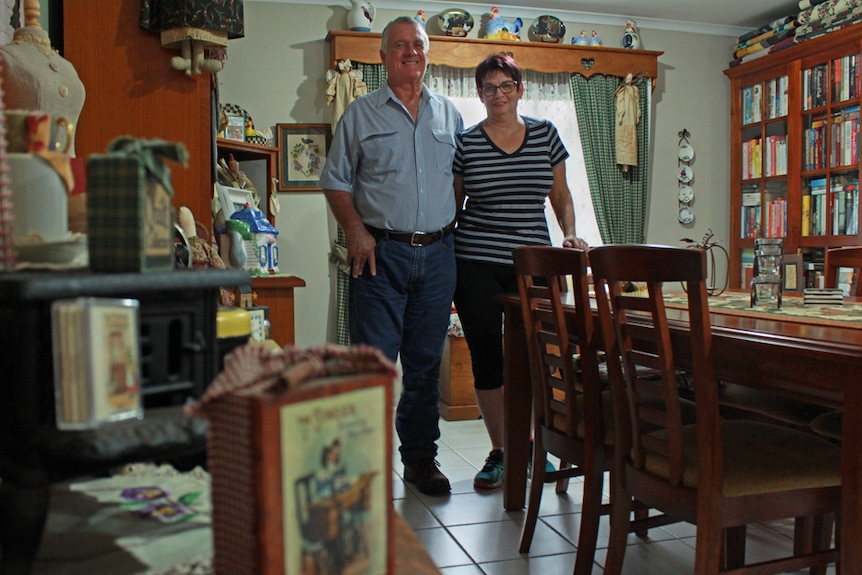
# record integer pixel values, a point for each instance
(467, 53)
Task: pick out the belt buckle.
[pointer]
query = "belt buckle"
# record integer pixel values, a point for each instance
(415, 241)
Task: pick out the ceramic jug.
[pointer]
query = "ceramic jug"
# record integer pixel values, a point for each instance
(360, 15)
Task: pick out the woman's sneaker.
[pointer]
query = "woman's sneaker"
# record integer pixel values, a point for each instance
(549, 467)
(491, 476)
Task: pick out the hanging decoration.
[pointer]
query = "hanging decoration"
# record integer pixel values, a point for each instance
(344, 84)
(685, 175)
(628, 114)
(199, 29)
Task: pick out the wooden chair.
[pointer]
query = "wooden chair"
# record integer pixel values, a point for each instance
(570, 410)
(849, 257)
(719, 475)
(829, 424)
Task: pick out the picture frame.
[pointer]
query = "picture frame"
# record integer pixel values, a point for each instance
(233, 199)
(235, 129)
(302, 151)
(792, 272)
(96, 351)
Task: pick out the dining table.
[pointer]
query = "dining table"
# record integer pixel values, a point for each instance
(794, 351)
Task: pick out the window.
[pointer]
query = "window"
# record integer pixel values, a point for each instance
(547, 96)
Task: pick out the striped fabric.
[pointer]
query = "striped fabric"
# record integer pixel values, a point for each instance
(505, 192)
(619, 198)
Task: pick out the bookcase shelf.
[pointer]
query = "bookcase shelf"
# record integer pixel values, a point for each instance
(794, 156)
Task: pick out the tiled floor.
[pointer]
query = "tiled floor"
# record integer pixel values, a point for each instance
(469, 533)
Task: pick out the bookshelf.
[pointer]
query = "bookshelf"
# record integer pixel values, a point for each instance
(263, 158)
(794, 157)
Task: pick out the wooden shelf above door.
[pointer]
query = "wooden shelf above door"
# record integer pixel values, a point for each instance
(541, 57)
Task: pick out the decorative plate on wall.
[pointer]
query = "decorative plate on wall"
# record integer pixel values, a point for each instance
(547, 28)
(455, 22)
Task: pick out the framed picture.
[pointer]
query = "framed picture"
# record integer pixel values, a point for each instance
(96, 361)
(792, 272)
(235, 129)
(302, 150)
(233, 199)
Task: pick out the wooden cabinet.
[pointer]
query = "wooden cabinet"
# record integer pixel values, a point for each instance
(255, 160)
(794, 156)
(276, 292)
(132, 90)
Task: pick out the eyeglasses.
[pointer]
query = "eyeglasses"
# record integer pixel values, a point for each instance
(488, 90)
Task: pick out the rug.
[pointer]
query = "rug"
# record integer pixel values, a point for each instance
(792, 309)
(144, 519)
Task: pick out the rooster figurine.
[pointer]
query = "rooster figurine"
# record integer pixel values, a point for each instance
(631, 39)
(581, 39)
(420, 18)
(499, 28)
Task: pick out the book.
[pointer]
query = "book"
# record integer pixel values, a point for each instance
(96, 361)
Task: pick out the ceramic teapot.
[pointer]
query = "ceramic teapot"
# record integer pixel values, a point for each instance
(360, 15)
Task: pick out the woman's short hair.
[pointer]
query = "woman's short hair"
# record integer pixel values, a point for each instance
(502, 62)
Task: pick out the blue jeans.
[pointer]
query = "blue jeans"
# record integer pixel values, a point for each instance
(405, 309)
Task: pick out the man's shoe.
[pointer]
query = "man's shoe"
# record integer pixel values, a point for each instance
(427, 477)
(491, 476)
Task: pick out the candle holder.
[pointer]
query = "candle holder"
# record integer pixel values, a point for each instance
(766, 287)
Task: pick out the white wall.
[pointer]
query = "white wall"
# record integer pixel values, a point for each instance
(277, 74)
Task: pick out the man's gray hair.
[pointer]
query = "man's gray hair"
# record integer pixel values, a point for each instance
(405, 20)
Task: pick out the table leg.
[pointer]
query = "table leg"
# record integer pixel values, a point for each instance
(518, 410)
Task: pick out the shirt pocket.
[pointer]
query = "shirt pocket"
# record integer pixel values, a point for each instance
(382, 153)
(444, 150)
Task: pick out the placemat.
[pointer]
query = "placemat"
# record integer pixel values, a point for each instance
(792, 309)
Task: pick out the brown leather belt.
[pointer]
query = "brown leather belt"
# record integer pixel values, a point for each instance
(415, 239)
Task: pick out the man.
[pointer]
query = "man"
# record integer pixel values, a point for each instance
(388, 180)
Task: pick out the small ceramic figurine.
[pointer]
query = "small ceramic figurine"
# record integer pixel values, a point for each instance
(501, 29)
(631, 39)
(420, 17)
(581, 39)
(595, 40)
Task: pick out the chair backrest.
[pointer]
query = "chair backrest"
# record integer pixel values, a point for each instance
(637, 331)
(849, 257)
(553, 338)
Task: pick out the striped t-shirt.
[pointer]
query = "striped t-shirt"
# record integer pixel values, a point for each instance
(505, 193)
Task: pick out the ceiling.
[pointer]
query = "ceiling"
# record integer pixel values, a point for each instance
(723, 17)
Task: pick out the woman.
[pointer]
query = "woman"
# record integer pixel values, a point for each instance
(505, 167)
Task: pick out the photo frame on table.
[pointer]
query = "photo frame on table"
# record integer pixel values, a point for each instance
(302, 150)
(792, 272)
(235, 129)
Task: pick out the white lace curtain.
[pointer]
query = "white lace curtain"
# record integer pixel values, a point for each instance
(546, 96)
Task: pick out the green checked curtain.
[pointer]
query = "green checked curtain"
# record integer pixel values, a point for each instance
(374, 76)
(619, 198)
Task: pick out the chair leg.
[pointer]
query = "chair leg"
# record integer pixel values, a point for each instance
(811, 534)
(590, 514)
(734, 547)
(562, 484)
(621, 509)
(537, 482)
(641, 512)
